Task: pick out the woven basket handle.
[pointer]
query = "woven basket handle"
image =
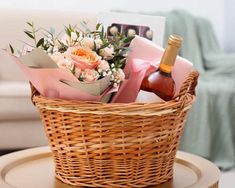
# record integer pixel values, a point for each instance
(34, 92)
(189, 86)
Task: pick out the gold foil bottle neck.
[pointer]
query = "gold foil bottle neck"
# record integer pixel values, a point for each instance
(175, 40)
(170, 54)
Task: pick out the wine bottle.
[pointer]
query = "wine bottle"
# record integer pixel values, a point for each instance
(161, 82)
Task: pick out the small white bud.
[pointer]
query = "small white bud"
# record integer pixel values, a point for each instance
(104, 74)
(113, 30)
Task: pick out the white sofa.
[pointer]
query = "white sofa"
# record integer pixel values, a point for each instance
(20, 125)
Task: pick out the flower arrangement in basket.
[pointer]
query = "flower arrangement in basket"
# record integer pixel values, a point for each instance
(92, 61)
(97, 144)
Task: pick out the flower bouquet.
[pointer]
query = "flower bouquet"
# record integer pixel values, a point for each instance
(91, 62)
(99, 144)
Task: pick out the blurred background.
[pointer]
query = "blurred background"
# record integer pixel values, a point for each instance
(208, 29)
(219, 12)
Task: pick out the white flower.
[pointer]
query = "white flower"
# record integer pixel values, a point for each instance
(87, 42)
(69, 41)
(107, 53)
(73, 36)
(65, 39)
(26, 49)
(90, 75)
(115, 85)
(131, 33)
(149, 34)
(98, 43)
(119, 75)
(103, 66)
(57, 56)
(113, 30)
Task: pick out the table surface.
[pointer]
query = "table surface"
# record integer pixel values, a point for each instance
(34, 168)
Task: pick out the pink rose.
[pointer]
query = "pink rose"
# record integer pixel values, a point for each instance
(104, 65)
(83, 58)
(90, 75)
(61, 61)
(65, 64)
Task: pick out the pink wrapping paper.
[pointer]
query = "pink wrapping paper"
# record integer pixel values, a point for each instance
(143, 58)
(48, 82)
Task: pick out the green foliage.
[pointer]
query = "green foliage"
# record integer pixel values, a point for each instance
(40, 42)
(29, 34)
(119, 42)
(12, 49)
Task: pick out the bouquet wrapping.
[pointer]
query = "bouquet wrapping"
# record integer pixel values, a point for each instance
(90, 66)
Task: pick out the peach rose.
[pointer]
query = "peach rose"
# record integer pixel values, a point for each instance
(83, 58)
(90, 75)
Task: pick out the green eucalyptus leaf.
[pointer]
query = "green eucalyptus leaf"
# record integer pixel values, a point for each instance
(98, 26)
(128, 39)
(95, 47)
(105, 45)
(29, 34)
(102, 31)
(68, 32)
(78, 34)
(11, 48)
(30, 24)
(40, 42)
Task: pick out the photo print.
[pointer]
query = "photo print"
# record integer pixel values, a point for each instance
(150, 27)
(130, 30)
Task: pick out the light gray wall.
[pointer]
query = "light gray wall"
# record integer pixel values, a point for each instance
(214, 10)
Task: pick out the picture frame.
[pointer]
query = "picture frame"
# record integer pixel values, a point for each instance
(150, 27)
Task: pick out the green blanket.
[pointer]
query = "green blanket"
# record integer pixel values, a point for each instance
(210, 128)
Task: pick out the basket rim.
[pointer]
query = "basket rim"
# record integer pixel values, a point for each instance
(180, 102)
(99, 108)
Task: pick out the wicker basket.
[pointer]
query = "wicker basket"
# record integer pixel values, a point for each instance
(115, 145)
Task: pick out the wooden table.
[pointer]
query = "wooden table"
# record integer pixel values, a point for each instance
(34, 168)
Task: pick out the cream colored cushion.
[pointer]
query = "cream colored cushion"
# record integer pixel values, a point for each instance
(15, 102)
(21, 134)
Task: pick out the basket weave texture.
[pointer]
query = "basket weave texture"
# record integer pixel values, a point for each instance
(115, 145)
